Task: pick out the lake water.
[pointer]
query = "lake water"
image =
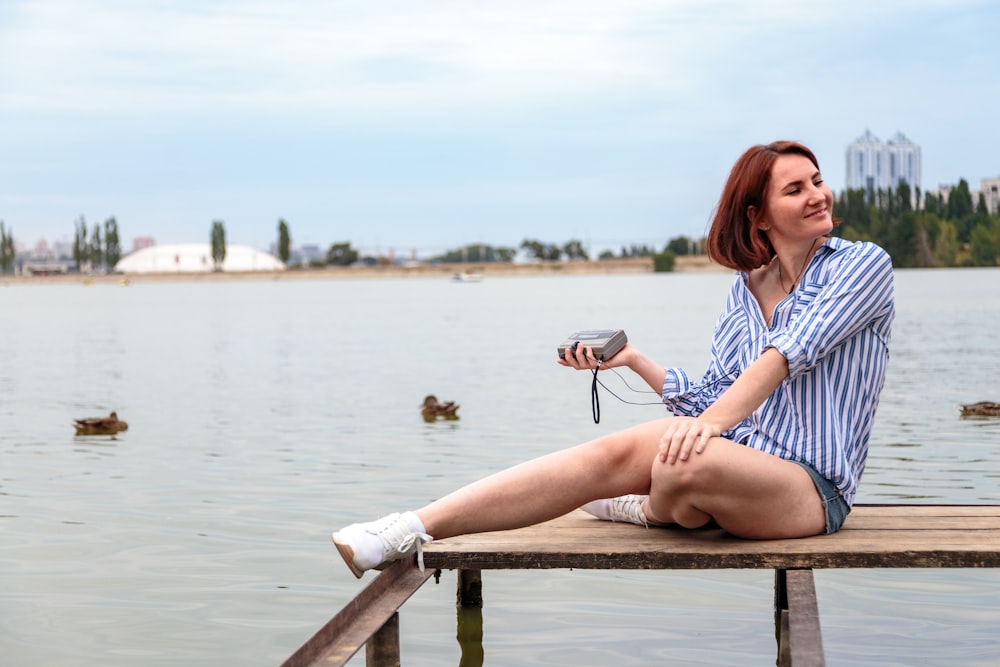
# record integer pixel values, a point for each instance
(265, 414)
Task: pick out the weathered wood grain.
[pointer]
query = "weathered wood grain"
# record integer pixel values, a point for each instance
(344, 634)
(804, 636)
(873, 536)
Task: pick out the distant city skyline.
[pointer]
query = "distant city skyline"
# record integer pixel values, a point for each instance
(871, 164)
(872, 175)
(423, 128)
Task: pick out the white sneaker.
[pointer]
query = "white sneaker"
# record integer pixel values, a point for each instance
(373, 545)
(623, 508)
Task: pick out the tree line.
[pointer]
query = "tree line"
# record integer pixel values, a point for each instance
(7, 252)
(99, 248)
(943, 231)
(571, 250)
(100, 252)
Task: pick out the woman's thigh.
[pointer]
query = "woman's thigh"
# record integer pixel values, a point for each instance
(623, 458)
(748, 492)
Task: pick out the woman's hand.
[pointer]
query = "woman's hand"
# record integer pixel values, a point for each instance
(629, 357)
(685, 435)
(584, 358)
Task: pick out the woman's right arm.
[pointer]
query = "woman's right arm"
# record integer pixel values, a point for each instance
(629, 356)
(651, 372)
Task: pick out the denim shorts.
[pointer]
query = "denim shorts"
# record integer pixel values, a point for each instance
(834, 504)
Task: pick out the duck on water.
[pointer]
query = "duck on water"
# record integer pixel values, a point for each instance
(981, 409)
(100, 425)
(433, 410)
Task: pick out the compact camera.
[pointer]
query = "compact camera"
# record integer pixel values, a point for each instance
(605, 343)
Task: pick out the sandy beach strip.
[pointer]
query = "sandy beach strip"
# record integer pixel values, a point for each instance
(439, 271)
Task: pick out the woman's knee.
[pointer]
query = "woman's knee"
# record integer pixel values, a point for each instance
(674, 492)
(681, 479)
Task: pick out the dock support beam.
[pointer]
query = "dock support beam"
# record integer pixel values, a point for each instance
(796, 620)
(382, 649)
(470, 589)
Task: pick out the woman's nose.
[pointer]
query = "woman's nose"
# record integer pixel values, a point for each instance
(816, 193)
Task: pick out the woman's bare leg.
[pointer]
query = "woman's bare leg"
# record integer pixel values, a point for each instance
(749, 493)
(549, 486)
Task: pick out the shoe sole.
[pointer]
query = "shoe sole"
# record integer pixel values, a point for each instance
(347, 553)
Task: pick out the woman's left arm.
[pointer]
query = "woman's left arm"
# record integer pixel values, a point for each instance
(858, 293)
(686, 434)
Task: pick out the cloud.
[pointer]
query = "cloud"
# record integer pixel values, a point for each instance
(566, 110)
(104, 55)
(366, 62)
(331, 56)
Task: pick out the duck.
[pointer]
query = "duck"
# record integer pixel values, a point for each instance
(100, 425)
(432, 409)
(981, 409)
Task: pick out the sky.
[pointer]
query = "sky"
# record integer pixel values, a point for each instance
(413, 127)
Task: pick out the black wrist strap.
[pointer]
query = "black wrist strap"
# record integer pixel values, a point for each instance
(595, 401)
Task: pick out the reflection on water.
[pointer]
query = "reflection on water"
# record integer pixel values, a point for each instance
(470, 636)
(262, 415)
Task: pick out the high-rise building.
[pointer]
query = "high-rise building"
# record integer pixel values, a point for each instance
(904, 161)
(876, 165)
(866, 168)
(991, 193)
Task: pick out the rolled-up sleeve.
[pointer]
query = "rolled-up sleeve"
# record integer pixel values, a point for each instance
(679, 394)
(854, 291)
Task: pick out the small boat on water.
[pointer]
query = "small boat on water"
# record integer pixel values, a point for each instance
(981, 409)
(464, 277)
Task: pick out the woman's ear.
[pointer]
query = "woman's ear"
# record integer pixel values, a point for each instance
(752, 217)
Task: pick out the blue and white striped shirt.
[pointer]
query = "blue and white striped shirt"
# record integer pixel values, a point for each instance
(834, 331)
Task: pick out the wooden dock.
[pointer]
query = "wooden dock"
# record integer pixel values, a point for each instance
(874, 536)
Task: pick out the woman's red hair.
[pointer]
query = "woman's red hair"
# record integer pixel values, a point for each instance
(735, 240)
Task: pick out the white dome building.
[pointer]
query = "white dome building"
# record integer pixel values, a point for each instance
(196, 258)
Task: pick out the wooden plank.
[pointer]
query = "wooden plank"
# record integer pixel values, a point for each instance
(804, 637)
(919, 523)
(784, 648)
(382, 648)
(781, 618)
(897, 509)
(344, 635)
(896, 537)
(916, 517)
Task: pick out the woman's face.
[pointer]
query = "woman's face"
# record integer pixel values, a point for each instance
(799, 204)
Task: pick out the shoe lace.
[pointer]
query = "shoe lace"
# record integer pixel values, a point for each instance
(629, 508)
(414, 541)
(398, 540)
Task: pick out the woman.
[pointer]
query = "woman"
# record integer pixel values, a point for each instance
(770, 443)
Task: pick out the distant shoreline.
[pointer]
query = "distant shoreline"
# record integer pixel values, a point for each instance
(697, 264)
